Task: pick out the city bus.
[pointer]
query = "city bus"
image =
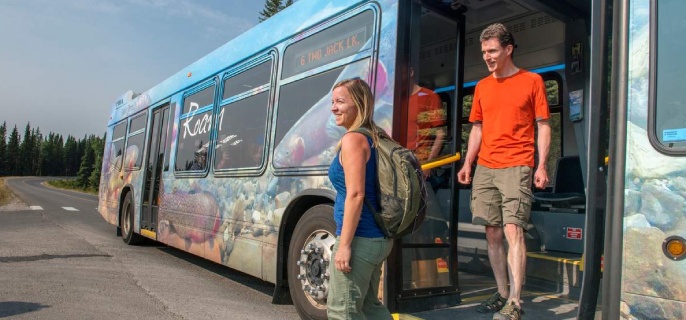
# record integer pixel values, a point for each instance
(227, 159)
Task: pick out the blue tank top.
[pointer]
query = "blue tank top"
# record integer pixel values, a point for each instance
(367, 227)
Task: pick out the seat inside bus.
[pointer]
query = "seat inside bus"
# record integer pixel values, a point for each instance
(568, 189)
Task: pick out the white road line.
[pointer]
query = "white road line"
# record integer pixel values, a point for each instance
(70, 209)
(36, 208)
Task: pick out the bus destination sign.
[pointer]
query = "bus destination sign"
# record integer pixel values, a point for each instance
(331, 50)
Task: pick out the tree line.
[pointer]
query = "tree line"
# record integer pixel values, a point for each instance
(35, 154)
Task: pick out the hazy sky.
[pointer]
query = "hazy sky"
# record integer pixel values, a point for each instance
(64, 62)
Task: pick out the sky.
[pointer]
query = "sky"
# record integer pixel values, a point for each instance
(63, 63)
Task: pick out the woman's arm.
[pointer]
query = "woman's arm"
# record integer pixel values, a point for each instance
(355, 152)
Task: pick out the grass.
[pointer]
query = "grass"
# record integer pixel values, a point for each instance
(5, 193)
(70, 184)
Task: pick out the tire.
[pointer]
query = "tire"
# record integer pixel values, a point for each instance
(309, 255)
(126, 222)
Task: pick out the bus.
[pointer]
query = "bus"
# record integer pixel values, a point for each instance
(227, 159)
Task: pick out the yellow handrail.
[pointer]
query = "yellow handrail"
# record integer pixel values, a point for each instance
(441, 161)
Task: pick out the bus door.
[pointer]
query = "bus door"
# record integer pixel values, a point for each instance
(153, 168)
(430, 78)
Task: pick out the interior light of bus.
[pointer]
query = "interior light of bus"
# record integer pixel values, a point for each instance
(674, 248)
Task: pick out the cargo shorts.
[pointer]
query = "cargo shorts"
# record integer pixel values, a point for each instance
(501, 196)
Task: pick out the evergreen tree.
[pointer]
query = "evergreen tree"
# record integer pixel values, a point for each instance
(13, 153)
(71, 156)
(272, 7)
(25, 152)
(98, 146)
(86, 166)
(37, 140)
(3, 149)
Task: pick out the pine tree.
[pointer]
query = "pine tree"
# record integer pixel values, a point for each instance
(25, 152)
(272, 7)
(13, 155)
(72, 156)
(86, 166)
(3, 149)
(98, 146)
(36, 141)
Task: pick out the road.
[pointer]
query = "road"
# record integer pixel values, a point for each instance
(60, 260)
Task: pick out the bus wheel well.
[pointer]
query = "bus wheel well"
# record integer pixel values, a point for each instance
(292, 215)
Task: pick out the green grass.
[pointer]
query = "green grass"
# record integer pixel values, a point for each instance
(70, 184)
(5, 193)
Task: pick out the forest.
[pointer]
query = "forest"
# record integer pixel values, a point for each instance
(35, 154)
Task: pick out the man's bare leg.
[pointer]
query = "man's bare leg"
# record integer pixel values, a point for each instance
(516, 260)
(498, 258)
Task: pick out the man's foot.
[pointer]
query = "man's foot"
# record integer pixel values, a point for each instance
(510, 311)
(492, 304)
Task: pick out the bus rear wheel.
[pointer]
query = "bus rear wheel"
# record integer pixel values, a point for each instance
(309, 256)
(126, 222)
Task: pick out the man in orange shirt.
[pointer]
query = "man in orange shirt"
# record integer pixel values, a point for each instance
(505, 108)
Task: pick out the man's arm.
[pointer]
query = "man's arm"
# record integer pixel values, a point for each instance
(543, 144)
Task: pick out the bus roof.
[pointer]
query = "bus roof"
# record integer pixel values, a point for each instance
(296, 18)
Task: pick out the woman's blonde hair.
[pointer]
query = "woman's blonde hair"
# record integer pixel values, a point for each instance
(363, 98)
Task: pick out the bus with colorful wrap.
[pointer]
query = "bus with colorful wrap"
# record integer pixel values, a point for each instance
(227, 158)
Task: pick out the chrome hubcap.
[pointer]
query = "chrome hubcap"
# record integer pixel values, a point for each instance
(313, 266)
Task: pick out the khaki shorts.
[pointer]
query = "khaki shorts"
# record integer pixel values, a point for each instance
(501, 196)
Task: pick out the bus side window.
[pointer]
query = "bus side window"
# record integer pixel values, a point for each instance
(194, 131)
(133, 156)
(117, 148)
(242, 119)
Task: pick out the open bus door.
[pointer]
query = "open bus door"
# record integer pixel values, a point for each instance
(429, 92)
(153, 170)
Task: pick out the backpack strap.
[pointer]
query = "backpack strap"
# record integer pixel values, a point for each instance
(367, 203)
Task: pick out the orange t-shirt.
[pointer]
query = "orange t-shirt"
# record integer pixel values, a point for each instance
(426, 115)
(507, 109)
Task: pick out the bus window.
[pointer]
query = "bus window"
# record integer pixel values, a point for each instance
(553, 93)
(135, 143)
(242, 123)
(117, 149)
(249, 80)
(194, 131)
(303, 128)
(240, 142)
(668, 132)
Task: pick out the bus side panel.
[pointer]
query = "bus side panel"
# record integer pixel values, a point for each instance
(653, 286)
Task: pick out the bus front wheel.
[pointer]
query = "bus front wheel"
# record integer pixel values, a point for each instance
(126, 222)
(309, 256)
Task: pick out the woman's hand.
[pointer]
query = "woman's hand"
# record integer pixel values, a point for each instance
(342, 259)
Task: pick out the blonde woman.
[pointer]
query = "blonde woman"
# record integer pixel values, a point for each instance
(360, 247)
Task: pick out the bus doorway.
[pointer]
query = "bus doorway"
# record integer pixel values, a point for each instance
(443, 53)
(427, 124)
(153, 170)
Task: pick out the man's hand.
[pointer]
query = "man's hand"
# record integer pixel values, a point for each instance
(541, 178)
(465, 174)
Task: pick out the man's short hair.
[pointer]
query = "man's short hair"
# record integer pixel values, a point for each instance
(498, 31)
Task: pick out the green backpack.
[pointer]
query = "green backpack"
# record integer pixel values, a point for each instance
(401, 191)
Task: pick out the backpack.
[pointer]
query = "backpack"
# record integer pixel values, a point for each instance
(400, 188)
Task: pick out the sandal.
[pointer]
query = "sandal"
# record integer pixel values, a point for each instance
(492, 304)
(510, 312)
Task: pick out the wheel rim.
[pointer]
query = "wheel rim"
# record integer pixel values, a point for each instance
(127, 219)
(312, 267)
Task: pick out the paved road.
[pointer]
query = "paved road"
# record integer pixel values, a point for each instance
(61, 260)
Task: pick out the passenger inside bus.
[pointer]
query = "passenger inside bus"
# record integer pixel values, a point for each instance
(200, 160)
(425, 135)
